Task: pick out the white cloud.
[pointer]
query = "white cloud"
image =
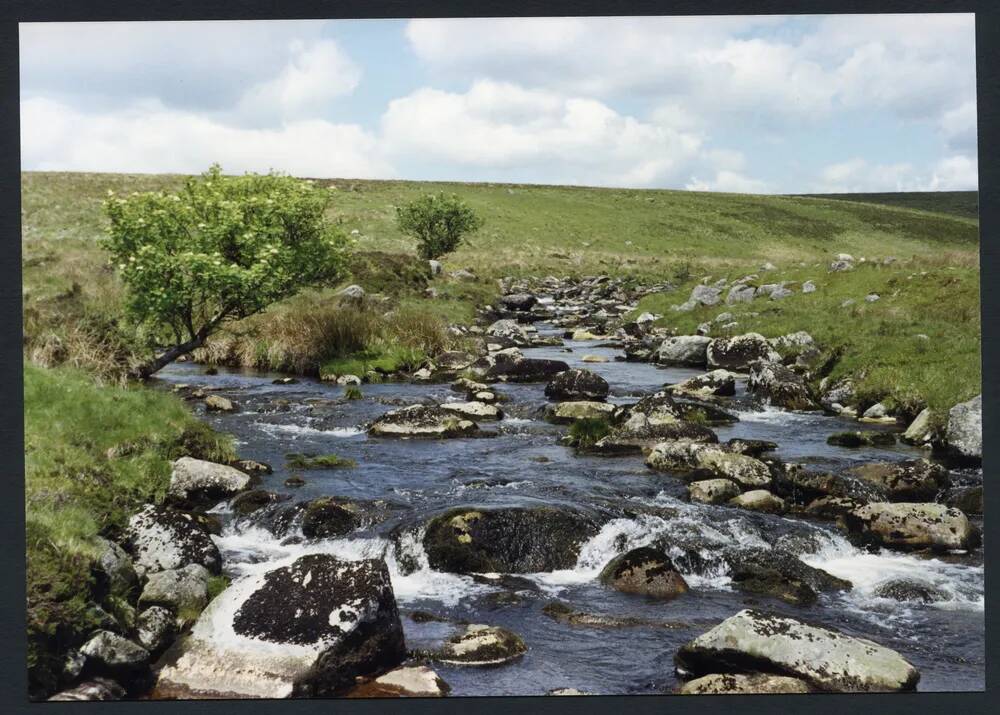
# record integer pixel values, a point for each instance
(499, 126)
(956, 173)
(959, 128)
(148, 137)
(730, 182)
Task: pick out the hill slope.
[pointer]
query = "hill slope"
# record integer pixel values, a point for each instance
(957, 203)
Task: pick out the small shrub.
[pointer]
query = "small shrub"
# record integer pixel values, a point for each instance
(438, 222)
(585, 433)
(216, 585)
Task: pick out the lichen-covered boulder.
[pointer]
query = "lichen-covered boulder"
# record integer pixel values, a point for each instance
(569, 412)
(155, 629)
(645, 571)
(739, 351)
(713, 491)
(332, 516)
(117, 567)
(687, 350)
(481, 645)
(904, 525)
(965, 429)
(205, 483)
(183, 591)
(714, 383)
(161, 539)
(826, 659)
(408, 681)
(112, 655)
(422, 421)
(511, 540)
(780, 574)
(577, 385)
(525, 370)
(910, 590)
(797, 484)
(910, 481)
(781, 386)
(709, 460)
(477, 411)
(218, 403)
(308, 629)
(509, 330)
(921, 430)
(93, 690)
(759, 500)
(642, 432)
(249, 502)
(743, 684)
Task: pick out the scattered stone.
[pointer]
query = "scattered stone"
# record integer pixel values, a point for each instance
(808, 287)
(921, 430)
(781, 386)
(117, 566)
(645, 571)
(523, 302)
(295, 481)
(569, 412)
(839, 265)
(871, 297)
(593, 358)
(435, 267)
(156, 628)
(862, 439)
(251, 467)
(410, 681)
(111, 655)
(577, 385)
(717, 382)
(96, 690)
(826, 659)
(285, 381)
(905, 525)
(741, 294)
(709, 459)
(910, 481)
(183, 591)
(345, 380)
(481, 645)
(509, 330)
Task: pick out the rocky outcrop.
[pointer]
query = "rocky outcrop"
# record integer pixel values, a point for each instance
(422, 421)
(965, 429)
(686, 350)
(739, 351)
(481, 645)
(162, 539)
(912, 526)
(513, 540)
(780, 386)
(645, 571)
(577, 385)
(195, 481)
(743, 684)
(826, 659)
(309, 629)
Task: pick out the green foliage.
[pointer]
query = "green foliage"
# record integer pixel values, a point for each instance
(384, 358)
(353, 392)
(222, 248)
(438, 222)
(294, 460)
(584, 433)
(216, 585)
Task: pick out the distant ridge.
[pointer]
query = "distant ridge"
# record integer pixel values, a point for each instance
(956, 203)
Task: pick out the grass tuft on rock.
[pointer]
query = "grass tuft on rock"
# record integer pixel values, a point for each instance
(295, 460)
(586, 432)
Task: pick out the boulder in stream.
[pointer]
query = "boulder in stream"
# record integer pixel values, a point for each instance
(422, 421)
(161, 539)
(407, 681)
(904, 525)
(569, 412)
(183, 591)
(474, 410)
(720, 383)
(743, 684)
(577, 384)
(709, 460)
(910, 481)
(781, 386)
(686, 350)
(481, 645)
(965, 429)
(645, 571)
(780, 574)
(739, 351)
(196, 481)
(828, 660)
(713, 491)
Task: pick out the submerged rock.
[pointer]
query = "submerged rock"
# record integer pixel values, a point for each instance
(511, 540)
(907, 590)
(861, 439)
(162, 539)
(912, 526)
(759, 500)
(308, 629)
(481, 645)
(743, 684)
(780, 574)
(921, 430)
(825, 658)
(422, 421)
(577, 385)
(645, 571)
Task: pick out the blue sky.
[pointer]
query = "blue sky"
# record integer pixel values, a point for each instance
(746, 104)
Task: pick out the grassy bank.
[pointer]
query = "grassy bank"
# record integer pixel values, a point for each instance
(93, 455)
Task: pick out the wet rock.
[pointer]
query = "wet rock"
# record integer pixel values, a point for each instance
(218, 403)
(117, 567)
(408, 681)
(830, 507)
(780, 574)
(826, 659)
(111, 655)
(196, 481)
(518, 301)
(908, 590)
(750, 447)
(645, 571)
(162, 539)
(348, 380)
(910, 481)
(96, 689)
(660, 405)
(717, 382)
(781, 386)
(422, 421)
(568, 412)
(904, 525)
(564, 613)
(252, 467)
(642, 432)
(525, 370)
(875, 412)
(509, 330)
(567, 691)
(474, 410)
(968, 499)
(308, 629)
(155, 629)
(295, 481)
(739, 351)
(743, 684)
(759, 500)
(183, 591)
(687, 350)
(577, 385)
(249, 502)
(709, 460)
(862, 439)
(921, 430)
(333, 516)
(481, 645)
(841, 392)
(510, 540)
(713, 491)
(965, 429)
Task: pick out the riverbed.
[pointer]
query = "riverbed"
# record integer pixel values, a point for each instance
(525, 465)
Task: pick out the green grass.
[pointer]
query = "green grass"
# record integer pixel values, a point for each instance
(586, 432)
(380, 358)
(295, 460)
(957, 203)
(93, 455)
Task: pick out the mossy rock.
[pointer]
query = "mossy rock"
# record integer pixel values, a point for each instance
(645, 571)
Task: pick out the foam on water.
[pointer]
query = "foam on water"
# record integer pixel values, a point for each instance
(304, 430)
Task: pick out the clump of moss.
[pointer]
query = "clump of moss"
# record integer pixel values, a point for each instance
(216, 585)
(294, 460)
(585, 433)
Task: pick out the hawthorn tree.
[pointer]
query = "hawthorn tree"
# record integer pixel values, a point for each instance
(438, 223)
(221, 249)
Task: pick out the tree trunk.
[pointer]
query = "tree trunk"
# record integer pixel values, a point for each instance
(147, 369)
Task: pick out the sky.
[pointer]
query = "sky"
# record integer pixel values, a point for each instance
(754, 104)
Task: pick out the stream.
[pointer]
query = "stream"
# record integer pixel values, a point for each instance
(525, 465)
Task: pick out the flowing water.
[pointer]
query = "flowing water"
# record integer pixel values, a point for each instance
(524, 466)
